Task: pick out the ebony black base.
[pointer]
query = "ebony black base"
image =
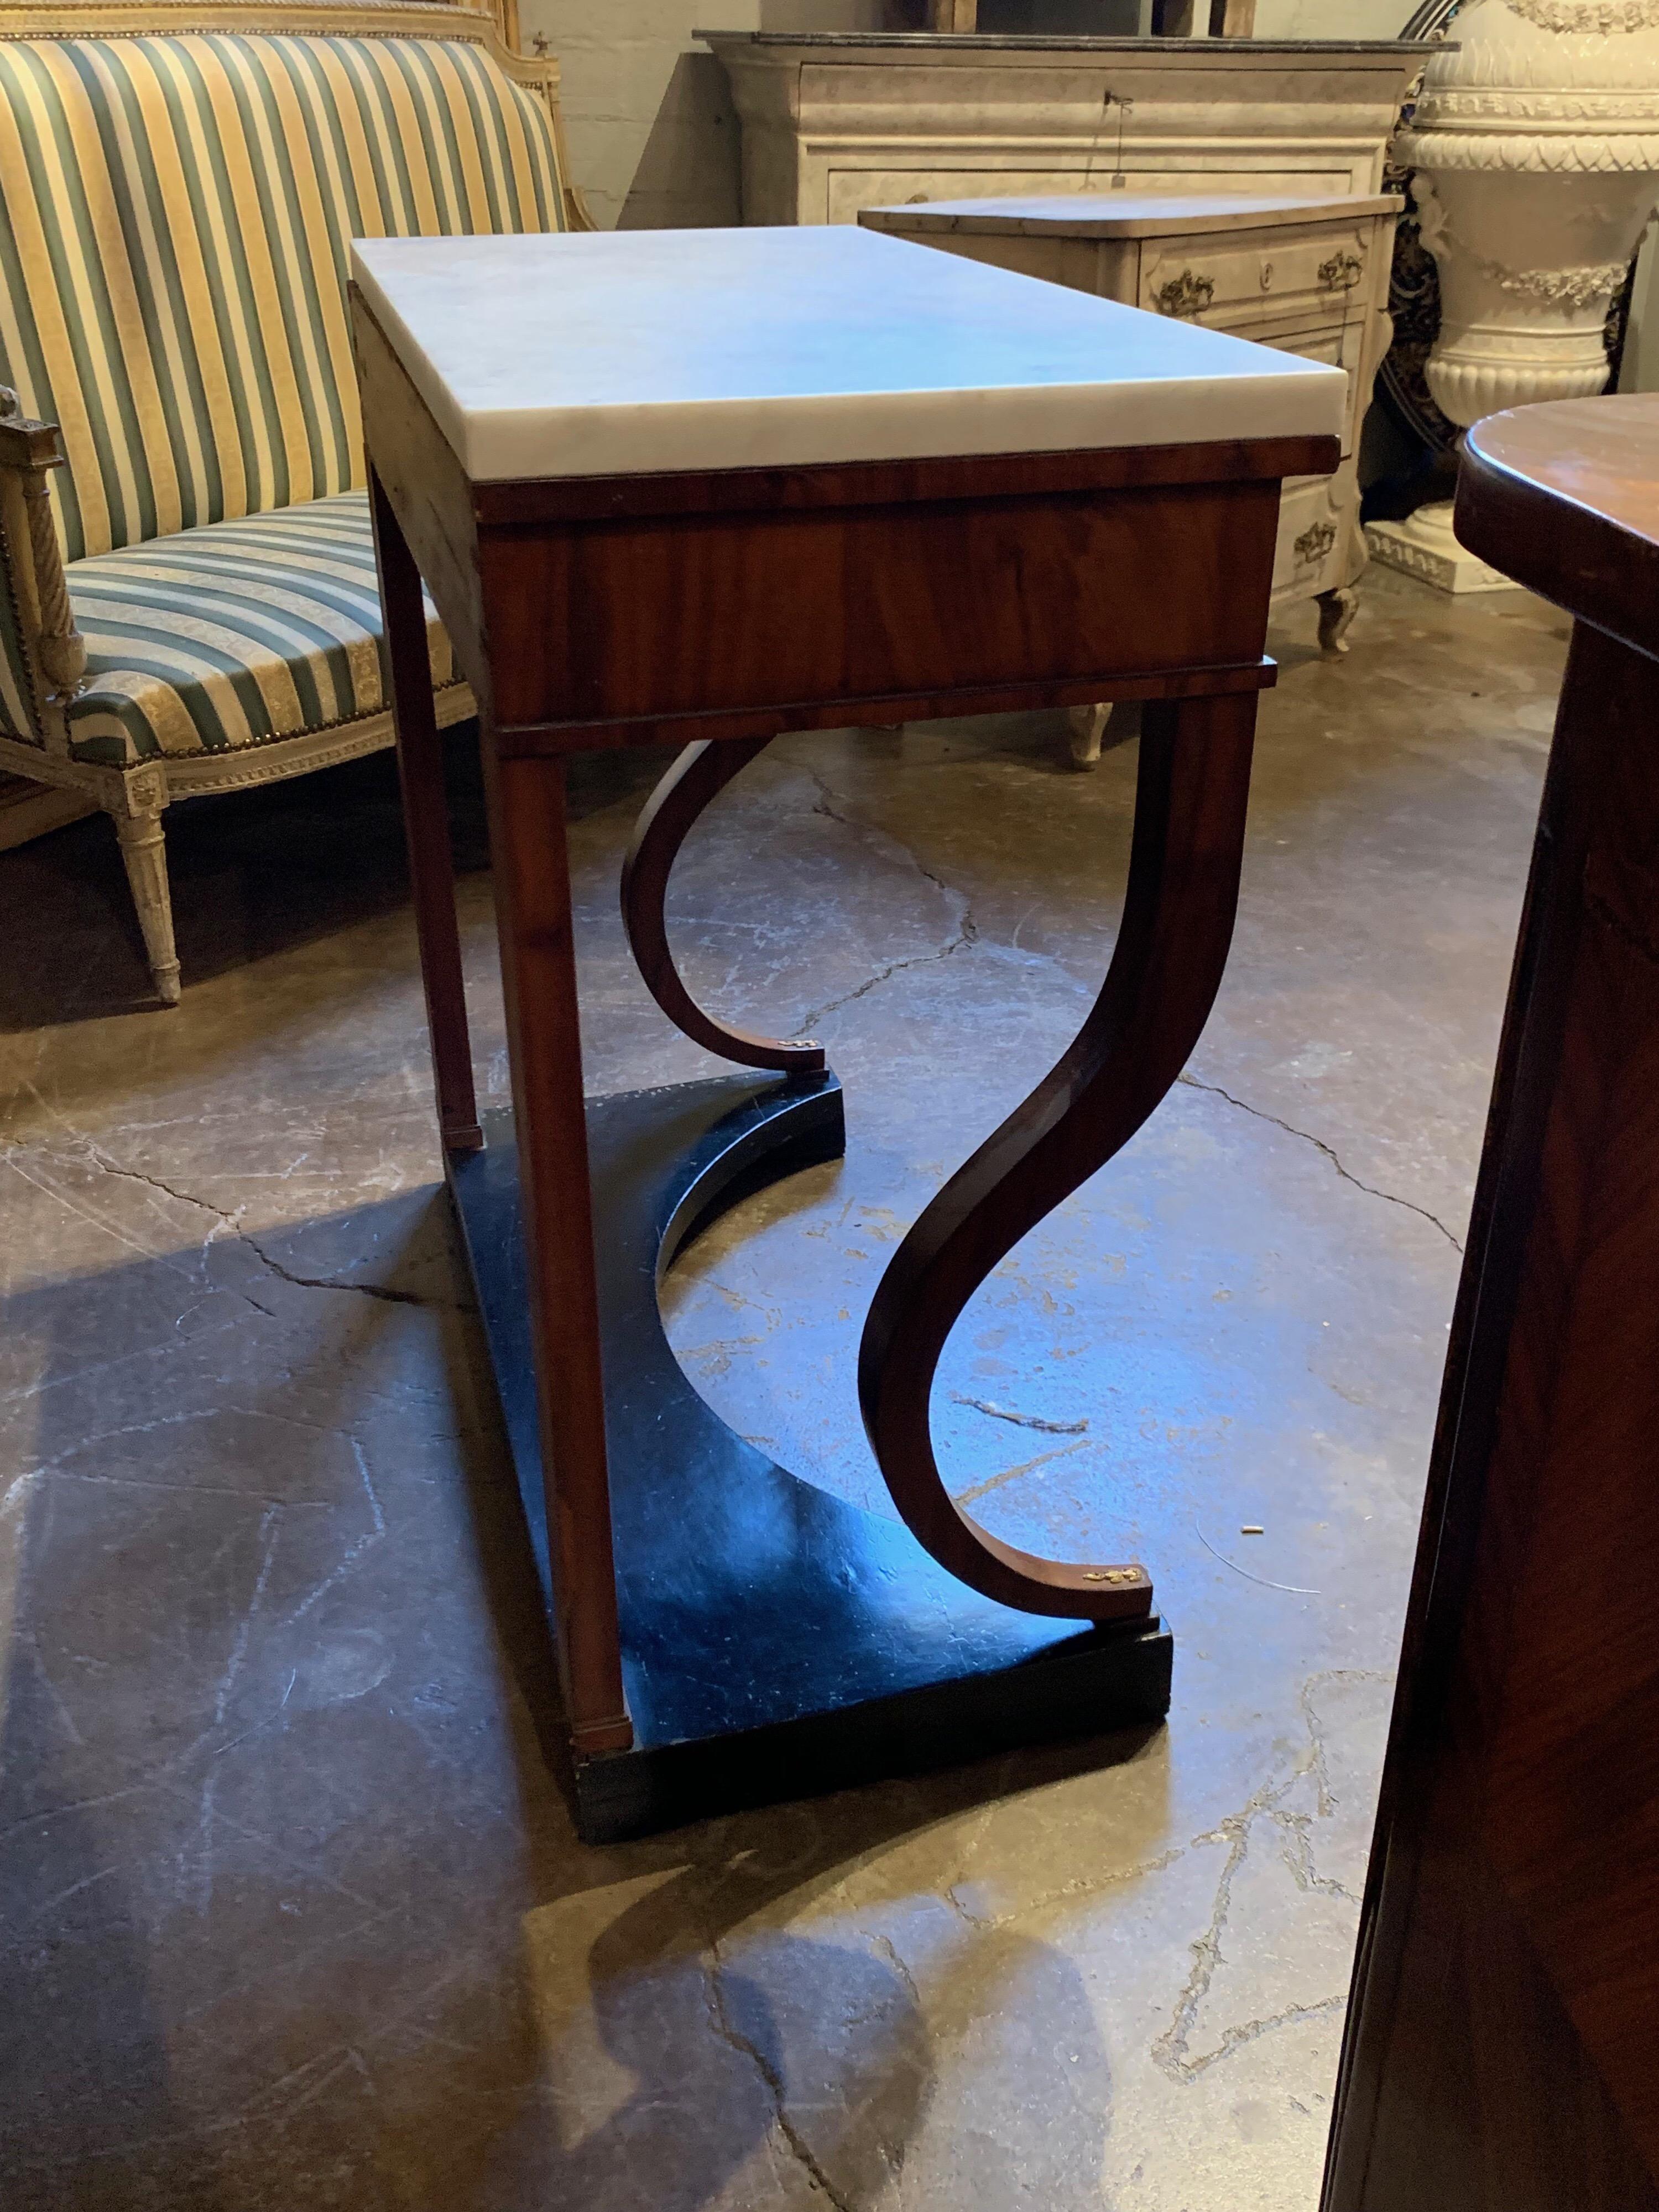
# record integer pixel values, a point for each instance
(776, 1641)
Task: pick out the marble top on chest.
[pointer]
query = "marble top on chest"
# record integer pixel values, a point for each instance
(948, 43)
(1126, 215)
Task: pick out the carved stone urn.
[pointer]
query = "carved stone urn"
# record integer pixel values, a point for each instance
(1536, 143)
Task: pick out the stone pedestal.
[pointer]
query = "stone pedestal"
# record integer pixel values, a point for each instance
(1426, 545)
(1536, 148)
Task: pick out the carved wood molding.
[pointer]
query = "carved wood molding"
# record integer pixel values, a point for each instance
(1603, 18)
(495, 27)
(1185, 296)
(190, 775)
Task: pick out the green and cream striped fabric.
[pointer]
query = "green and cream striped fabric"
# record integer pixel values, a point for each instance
(175, 216)
(233, 635)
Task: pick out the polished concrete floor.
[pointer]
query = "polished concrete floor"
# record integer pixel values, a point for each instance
(293, 1912)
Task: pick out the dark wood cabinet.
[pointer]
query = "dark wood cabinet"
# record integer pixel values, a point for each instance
(1502, 2046)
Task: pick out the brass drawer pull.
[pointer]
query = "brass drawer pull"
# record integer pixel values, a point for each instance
(1314, 542)
(1185, 295)
(1341, 272)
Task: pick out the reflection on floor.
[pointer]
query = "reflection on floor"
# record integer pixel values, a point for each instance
(294, 1916)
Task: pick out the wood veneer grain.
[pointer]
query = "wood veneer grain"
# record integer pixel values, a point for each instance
(1502, 2051)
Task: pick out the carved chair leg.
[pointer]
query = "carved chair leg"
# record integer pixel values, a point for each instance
(143, 849)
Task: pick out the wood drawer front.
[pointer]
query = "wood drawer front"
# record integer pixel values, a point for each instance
(636, 601)
(1217, 279)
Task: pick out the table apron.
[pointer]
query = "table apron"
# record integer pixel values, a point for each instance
(540, 739)
(602, 623)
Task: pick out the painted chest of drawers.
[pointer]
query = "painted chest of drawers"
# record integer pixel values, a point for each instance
(1308, 275)
(832, 121)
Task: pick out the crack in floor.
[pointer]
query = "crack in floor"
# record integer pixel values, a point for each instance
(968, 934)
(1250, 2031)
(1316, 1727)
(735, 2039)
(967, 927)
(1169, 2052)
(1068, 1893)
(1320, 1145)
(1297, 1829)
(823, 804)
(890, 1952)
(232, 1222)
(1020, 1420)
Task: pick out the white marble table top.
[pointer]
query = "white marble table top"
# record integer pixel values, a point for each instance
(1124, 215)
(630, 352)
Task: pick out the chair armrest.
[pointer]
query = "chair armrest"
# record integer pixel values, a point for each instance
(577, 213)
(54, 649)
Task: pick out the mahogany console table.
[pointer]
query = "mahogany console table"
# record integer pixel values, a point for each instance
(708, 486)
(1502, 2046)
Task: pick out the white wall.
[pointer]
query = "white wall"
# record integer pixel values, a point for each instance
(653, 136)
(653, 139)
(1332, 19)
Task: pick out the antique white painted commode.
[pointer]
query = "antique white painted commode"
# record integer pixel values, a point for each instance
(834, 121)
(1308, 276)
(835, 124)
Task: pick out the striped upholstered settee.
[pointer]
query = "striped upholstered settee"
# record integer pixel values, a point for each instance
(188, 600)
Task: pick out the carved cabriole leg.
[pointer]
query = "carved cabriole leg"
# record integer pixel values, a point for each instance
(1101, 728)
(1088, 726)
(138, 817)
(700, 773)
(1337, 609)
(1171, 949)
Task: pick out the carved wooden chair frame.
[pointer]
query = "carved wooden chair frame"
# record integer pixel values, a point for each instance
(55, 657)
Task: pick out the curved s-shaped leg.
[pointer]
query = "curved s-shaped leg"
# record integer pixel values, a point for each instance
(1171, 949)
(699, 775)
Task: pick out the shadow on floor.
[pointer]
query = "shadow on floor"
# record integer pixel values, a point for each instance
(287, 1907)
(253, 873)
